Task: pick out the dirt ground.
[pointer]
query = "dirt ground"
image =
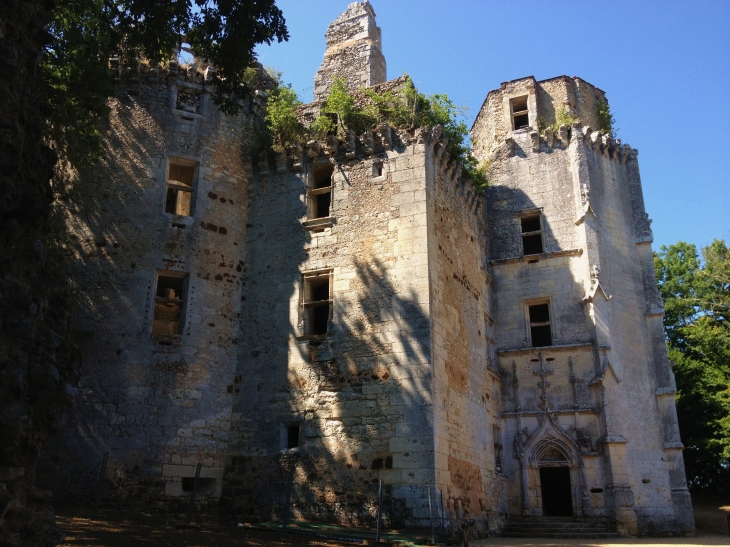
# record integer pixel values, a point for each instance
(123, 529)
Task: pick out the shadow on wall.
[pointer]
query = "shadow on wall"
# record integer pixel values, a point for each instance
(361, 395)
(140, 400)
(513, 216)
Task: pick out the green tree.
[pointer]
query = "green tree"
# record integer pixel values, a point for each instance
(281, 118)
(697, 306)
(84, 34)
(349, 116)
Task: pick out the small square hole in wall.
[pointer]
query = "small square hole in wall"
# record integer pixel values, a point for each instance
(293, 431)
(378, 169)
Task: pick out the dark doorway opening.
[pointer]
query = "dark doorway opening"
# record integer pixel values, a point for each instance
(557, 499)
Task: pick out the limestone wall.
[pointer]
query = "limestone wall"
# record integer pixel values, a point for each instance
(606, 363)
(362, 392)
(526, 180)
(636, 385)
(466, 390)
(158, 404)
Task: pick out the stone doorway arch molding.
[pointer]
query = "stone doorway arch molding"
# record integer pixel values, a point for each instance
(550, 446)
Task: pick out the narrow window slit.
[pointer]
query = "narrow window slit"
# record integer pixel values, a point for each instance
(292, 436)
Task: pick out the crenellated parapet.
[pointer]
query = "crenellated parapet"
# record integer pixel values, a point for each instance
(382, 141)
(188, 83)
(449, 169)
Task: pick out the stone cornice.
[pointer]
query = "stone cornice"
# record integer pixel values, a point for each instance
(530, 258)
(566, 347)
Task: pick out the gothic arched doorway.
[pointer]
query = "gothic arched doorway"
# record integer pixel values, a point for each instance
(555, 485)
(552, 473)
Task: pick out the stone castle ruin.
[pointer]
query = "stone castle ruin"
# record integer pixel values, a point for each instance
(305, 325)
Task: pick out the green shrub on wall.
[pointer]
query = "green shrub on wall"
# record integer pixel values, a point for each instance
(404, 108)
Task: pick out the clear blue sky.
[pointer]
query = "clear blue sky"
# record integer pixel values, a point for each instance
(665, 67)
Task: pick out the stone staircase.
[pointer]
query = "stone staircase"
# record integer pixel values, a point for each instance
(559, 527)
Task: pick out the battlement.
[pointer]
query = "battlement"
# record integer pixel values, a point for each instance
(526, 104)
(354, 51)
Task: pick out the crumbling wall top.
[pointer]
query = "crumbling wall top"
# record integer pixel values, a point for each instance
(527, 104)
(354, 51)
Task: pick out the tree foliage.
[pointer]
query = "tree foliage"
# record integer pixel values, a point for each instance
(77, 80)
(697, 308)
(84, 34)
(281, 118)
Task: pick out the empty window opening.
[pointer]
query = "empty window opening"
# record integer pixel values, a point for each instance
(557, 497)
(323, 176)
(378, 169)
(497, 448)
(540, 333)
(292, 436)
(531, 235)
(205, 486)
(317, 303)
(323, 205)
(319, 193)
(520, 114)
(169, 304)
(179, 190)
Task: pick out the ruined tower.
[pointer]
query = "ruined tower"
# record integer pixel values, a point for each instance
(354, 51)
(306, 325)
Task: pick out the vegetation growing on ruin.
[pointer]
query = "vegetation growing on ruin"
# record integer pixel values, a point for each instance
(562, 117)
(404, 108)
(606, 121)
(696, 297)
(281, 118)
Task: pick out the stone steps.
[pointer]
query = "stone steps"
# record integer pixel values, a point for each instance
(564, 528)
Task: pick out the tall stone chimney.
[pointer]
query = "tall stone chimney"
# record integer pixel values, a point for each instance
(354, 51)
